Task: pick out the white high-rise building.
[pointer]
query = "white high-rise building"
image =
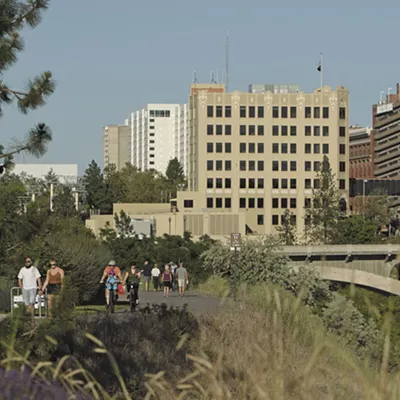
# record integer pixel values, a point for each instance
(159, 133)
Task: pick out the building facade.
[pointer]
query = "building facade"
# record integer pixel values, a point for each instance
(360, 152)
(116, 142)
(158, 133)
(386, 137)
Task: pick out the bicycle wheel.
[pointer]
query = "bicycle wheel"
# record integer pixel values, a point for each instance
(132, 301)
(111, 301)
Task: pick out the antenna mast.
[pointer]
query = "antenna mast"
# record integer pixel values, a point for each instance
(227, 63)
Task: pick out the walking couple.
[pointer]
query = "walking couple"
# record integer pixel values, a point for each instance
(168, 277)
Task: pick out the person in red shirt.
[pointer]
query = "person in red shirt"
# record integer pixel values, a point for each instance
(112, 266)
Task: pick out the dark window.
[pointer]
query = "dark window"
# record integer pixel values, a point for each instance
(228, 130)
(342, 113)
(275, 112)
(252, 203)
(228, 111)
(284, 203)
(293, 112)
(218, 112)
(342, 184)
(293, 130)
(293, 148)
(317, 166)
(260, 130)
(307, 112)
(284, 112)
(260, 183)
(210, 147)
(275, 148)
(260, 110)
(307, 166)
(307, 183)
(218, 147)
(284, 148)
(242, 147)
(260, 165)
(260, 219)
(316, 185)
(218, 130)
(317, 131)
(210, 202)
(228, 202)
(307, 148)
(275, 203)
(275, 183)
(325, 131)
(228, 165)
(260, 148)
(325, 112)
(293, 203)
(325, 148)
(218, 183)
(242, 111)
(275, 130)
(293, 165)
(284, 183)
(307, 130)
(218, 202)
(275, 219)
(275, 165)
(342, 149)
(242, 130)
(284, 130)
(260, 202)
(218, 165)
(307, 202)
(242, 165)
(284, 166)
(252, 112)
(252, 130)
(342, 166)
(293, 183)
(252, 165)
(210, 129)
(242, 183)
(228, 147)
(242, 202)
(252, 183)
(342, 131)
(210, 165)
(210, 111)
(210, 183)
(316, 148)
(252, 147)
(317, 112)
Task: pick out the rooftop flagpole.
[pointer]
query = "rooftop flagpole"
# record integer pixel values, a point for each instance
(319, 69)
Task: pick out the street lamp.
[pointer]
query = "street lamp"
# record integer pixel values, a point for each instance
(169, 223)
(184, 223)
(364, 182)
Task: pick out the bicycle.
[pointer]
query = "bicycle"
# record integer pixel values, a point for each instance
(133, 298)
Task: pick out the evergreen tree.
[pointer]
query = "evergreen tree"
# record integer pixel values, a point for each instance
(64, 204)
(323, 217)
(15, 16)
(174, 172)
(287, 231)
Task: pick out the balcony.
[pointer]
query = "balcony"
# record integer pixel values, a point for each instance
(381, 171)
(387, 156)
(387, 131)
(390, 142)
(387, 119)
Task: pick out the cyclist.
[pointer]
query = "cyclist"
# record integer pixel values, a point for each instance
(112, 266)
(133, 278)
(111, 283)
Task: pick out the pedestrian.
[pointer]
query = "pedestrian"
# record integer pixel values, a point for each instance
(155, 273)
(53, 282)
(183, 278)
(146, 274)
(29, 281)
(173, 267)
(167, 280)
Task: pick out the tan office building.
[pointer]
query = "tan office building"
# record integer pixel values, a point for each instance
(116, 145)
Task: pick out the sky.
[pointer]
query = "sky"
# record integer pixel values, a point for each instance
(110, 58)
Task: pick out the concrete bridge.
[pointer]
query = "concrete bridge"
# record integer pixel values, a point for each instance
(375, 266)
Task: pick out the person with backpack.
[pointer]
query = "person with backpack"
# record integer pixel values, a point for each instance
(167, 280)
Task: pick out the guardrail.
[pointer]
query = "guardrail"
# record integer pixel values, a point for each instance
(41, 303)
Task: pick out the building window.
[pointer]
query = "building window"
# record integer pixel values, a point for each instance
(275, 219)
(275, 148)
(284, 183)
(242, 165)
(307, 202)
(275, 165)
(218, 183)
(228, 202)
(284, 148)
(242, 111)
(242, 202)
(325, 131)
(252, 112)
(242, 147)
(252, 130)
(228, 147)
(325, 112)
(260, 111)
(275, 183)
(325, 148)
(218, 165)
(293, 112)
(342, 149)
(307, 166)
(188, 203)
(342, 184)
(210, 129)
(307, 130)
(210, 111)
(284, 130)
(210, 147)
(260, 165)
(260, 219)
(252, 183)
(242, 183)
(210, 165)
(260, 130)
(228, 130)
(316, 148)
(293, 165)
(284, 202)
(210, 183)
(228, 165)
(275, 203)
(252, 148)
(260, 148)
(317, 166)
(342, 166)
(342, 113)
(218, 202)
(210, 202)
(260, 183)
(260, 202)
(228, 111)
(293, 183)
(317, 131)
(317, 112)
(275, 130)
(342, 131)
(293, 130)
(218, 112)
(252, 203)
(242, 130)
(307, 148)
(218, 147)
(252, 165)
(218, 130)
(307, 183)
(284, 165)
(293, 148)
(275, 112)
(307, 112)
(284, 112)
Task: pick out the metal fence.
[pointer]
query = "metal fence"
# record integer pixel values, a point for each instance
(41, 303)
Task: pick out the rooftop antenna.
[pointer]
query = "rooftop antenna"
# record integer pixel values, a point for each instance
(217, 76)
(213, 77)
(195, 77)
(227, 63)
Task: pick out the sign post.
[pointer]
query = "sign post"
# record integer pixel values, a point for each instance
(236, 241)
